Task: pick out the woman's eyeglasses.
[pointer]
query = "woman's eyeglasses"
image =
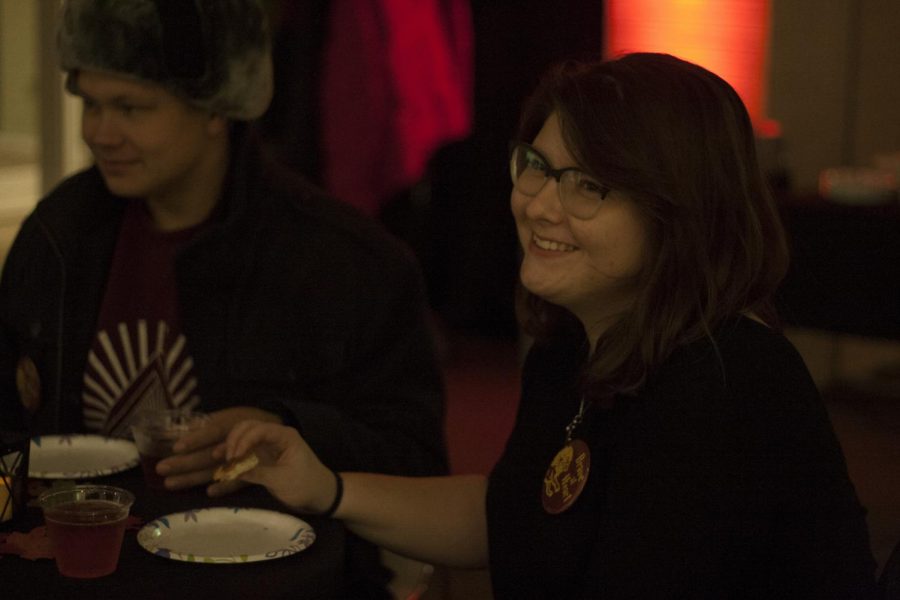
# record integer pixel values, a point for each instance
(579, 193)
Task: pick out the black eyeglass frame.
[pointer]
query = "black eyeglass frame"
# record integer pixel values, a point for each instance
(548, 171)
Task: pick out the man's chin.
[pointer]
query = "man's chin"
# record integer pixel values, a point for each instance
(125, 189)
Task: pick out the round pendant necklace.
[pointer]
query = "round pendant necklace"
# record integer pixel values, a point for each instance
(568, 472)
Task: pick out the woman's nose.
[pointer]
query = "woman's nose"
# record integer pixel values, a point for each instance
(546, 204)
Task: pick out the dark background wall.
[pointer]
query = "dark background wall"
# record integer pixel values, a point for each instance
(469, 247)
(457, 220)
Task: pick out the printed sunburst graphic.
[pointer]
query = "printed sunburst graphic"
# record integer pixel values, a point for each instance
(134, 368)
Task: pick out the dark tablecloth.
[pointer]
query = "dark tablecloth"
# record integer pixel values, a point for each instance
(316, 572)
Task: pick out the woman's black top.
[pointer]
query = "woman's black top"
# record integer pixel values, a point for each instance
(722, 479)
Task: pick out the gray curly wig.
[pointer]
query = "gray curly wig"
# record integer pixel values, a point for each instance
(215, 54)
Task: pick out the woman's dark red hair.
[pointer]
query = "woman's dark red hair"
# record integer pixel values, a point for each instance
(677, 140)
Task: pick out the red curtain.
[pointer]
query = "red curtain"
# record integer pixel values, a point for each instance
(396, 86)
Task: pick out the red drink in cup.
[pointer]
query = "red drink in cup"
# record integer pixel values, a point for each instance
(155, 433)
(148, 465)
(86, 525)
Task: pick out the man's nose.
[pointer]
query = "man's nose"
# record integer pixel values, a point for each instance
(102, 128)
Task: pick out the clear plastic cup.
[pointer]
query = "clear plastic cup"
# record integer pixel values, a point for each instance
(86, 524)
(155, 433)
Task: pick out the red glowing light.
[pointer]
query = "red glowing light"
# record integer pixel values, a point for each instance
(728, 37)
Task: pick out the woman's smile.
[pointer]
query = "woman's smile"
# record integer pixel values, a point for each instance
(588, 266)
(551, 245)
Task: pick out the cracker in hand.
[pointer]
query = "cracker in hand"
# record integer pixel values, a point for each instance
(232, 469)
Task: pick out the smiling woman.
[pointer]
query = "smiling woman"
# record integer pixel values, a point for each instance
(688, 424)
(670, 442)
(689, 234)
(587, 264)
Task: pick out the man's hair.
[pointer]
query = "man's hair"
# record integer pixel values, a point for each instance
(677, 140)
(215, 54)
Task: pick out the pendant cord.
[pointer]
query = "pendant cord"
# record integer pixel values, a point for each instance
(576, 420)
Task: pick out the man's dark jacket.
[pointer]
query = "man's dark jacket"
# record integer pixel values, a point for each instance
(289, 301)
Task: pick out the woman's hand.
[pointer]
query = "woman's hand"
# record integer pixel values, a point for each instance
(287, 467)
(434, 519)
(193, 462)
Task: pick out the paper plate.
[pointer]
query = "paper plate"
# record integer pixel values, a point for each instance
(79, 456)
(226, 535)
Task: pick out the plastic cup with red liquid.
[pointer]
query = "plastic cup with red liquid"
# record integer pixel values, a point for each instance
(86, 524)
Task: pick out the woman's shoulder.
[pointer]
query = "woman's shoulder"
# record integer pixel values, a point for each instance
(740, 344)
(744, 363)
(752, 351)
(745, 389)
(745, 333)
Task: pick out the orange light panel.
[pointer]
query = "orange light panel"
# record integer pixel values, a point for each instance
(728, 37)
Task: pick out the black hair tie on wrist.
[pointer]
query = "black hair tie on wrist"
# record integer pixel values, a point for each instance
(338, 495)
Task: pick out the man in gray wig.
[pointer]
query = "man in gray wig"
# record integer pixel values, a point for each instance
(184, 268)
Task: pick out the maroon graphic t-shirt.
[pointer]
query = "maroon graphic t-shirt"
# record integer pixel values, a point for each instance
(138, 358)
